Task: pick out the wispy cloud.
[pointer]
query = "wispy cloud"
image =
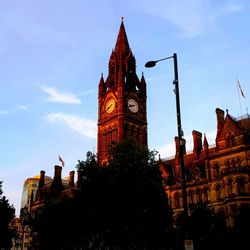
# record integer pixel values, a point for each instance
(87, 92)
(225, 9)
(61, 97)
(85, 127)
(4, 112)
(192, 17)
(23, 107)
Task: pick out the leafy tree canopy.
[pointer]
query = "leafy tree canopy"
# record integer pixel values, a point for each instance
(120, 206)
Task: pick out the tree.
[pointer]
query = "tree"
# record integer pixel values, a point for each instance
(7, 213)
(126, 198)
(122, 205)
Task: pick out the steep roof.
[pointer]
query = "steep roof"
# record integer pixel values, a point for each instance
(122, 45)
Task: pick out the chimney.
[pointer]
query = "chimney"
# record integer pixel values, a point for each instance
(79, 177)
(56, 186)
(197, 140)
(41, 180)
(40, 191)
(71, 178)
(220, 119)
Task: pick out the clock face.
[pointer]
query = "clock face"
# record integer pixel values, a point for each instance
(132, 105)
(110, 105)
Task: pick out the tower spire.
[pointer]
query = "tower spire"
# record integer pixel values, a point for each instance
(122, 45)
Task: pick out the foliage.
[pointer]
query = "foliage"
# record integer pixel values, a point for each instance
(7, 213)
(121, 206)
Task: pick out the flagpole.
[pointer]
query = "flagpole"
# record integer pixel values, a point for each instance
(239, 94)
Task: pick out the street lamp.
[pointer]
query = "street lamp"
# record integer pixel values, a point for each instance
(181, 143)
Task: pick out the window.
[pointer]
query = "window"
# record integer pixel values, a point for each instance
(230, 187)
(199, 196)
(177, 200)
(218, 190)
(206, 194)
(216, 170)
(230, 141)
(238, 162)
(241, 186)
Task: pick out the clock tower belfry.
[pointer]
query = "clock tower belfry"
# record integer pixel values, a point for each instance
(121, 101)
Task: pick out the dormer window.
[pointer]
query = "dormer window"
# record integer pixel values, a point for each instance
(230, 141)
(216, 170)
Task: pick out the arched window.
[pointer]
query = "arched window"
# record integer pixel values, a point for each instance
(177, 200)
(199, 196)
(218, 190)
(206, 193)
(241, 186)
(216, 170)
(230, 187)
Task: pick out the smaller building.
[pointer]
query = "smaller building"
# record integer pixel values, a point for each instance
(22, 237)
(30, 188)
(53, 188)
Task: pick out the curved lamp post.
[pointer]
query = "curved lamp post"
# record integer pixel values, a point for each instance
(181, 143)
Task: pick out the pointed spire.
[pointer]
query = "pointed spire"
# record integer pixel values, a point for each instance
(205, 143)
(101, 85)
(122, 45)
(143, 84)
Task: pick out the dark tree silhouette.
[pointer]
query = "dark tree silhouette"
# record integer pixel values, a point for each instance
(7, 213)
(122, 205)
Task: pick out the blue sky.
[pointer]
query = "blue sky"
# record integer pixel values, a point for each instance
(52, 55)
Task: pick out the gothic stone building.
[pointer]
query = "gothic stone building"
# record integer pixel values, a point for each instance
(216, 176)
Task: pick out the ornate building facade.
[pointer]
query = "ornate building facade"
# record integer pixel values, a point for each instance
(216, 176)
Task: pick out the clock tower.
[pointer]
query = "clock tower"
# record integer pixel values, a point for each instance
(121, 101)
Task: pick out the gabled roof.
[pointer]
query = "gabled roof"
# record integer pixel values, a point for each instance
(230, 127)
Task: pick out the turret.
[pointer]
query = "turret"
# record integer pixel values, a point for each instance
(101, 86)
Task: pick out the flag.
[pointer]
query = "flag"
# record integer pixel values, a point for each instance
(240, 89)
(61, 160)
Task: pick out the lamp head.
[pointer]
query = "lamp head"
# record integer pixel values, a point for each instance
(150, 64)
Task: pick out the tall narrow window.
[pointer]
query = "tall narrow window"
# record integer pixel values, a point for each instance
(199, 196)
(177, 200)
(218, 190)
(216, 170)
(241, 186)
(206, 194)
(230, 188)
